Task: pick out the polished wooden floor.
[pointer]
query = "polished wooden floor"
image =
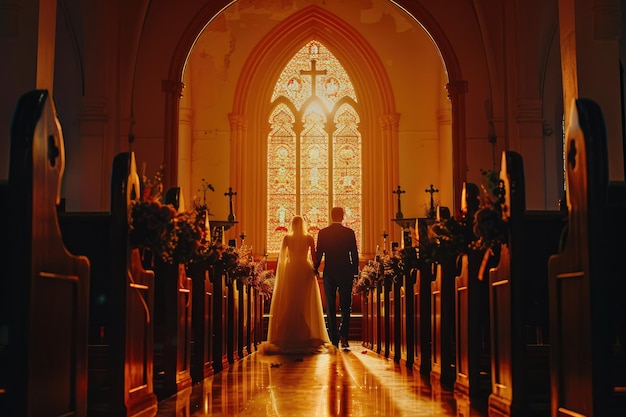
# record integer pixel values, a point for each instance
(335, 382)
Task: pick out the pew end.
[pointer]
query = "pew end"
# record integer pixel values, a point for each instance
(519, 301)
(587, 282)
(43, 346)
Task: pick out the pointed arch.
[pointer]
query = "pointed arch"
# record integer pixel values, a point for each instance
(369, 77)
(252, 102)
(328, 168)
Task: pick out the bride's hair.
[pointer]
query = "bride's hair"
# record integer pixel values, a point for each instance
(298, 226)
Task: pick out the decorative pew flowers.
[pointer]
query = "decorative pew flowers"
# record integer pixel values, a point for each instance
(174, 237)
(385, 268)
(369, 277)
(240, 265)
(479, 229)
(490, 229)
(183, 237)
(447, 238)
(149, 222)
(393, 265)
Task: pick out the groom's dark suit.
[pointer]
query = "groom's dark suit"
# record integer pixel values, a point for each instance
(337, 244)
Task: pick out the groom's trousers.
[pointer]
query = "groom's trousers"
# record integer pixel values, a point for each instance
(331, 285)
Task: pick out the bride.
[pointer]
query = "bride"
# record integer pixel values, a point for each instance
(296, 321)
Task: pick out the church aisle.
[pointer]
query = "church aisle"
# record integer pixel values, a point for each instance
(347, 382)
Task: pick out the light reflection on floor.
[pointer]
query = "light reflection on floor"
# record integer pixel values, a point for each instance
(350, 382)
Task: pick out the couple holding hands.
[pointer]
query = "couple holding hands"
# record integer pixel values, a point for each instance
(296, 322)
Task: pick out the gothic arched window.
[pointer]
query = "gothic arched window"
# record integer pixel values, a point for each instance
(314, 145)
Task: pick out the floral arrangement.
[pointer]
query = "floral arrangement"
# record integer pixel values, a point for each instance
(149, 222)
(385, 268)
(174, 237)
(239, 264)
(153, 188)
(183, 238)
(479, 229)
(490, 228)
(447, 238)
(393, 265)
(201, 205)
(263, 282)
(369, 277)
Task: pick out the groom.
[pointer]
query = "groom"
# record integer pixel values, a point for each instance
(337, 244)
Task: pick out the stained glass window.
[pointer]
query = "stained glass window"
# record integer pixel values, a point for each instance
(314, 145)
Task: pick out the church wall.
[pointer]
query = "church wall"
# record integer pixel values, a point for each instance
(18, 46)
(505, 52)
(459, 24)
(417, 100)
(552, 93)
(68, 91)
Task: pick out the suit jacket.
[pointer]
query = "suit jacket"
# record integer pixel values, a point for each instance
(337, 244)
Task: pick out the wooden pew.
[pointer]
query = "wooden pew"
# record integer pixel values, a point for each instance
(376, 314)
(368, 312)
(121, 299)
(172, 321)
(587, 279)
(172, 329)
(5, 291)
(259, 309)
(243, 328)
(220, 318)
(201, 320)
(44, 289)
(422, 323)
(255, 301)
(422, 276)
(408, 318)
(399, 318)
(367, 326)
(382, 319)
(254, 315)
(225, 308)
(473, 366)
(403, 263)
(234, 318)
(519, 328)
(443, 355)
(387, 302)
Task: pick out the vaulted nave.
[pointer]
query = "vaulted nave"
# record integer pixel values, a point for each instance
(153, 152)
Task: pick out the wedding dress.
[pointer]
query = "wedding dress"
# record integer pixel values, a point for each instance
(296, 322)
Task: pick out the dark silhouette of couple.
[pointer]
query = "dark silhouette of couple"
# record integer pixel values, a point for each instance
(296, 322)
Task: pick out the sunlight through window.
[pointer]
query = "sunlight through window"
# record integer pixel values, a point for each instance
(314, 145)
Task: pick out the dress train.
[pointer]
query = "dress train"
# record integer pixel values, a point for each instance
(296, 322)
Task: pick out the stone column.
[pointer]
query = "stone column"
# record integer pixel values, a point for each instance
(456, 92)
(244, 185)
(173, 92)
(386, 155)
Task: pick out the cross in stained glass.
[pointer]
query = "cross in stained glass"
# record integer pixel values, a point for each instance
(313, 72)
(317, 163)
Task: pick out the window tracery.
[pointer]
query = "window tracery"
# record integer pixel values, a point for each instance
(314, 154)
